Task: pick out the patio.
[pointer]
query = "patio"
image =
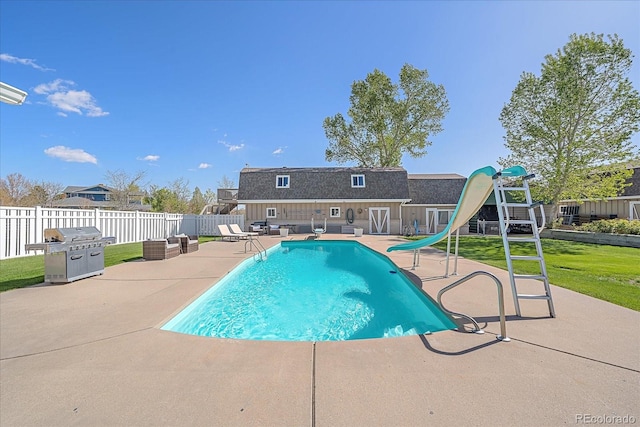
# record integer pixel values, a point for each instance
(91, 353)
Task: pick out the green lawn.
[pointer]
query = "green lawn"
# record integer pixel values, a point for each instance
(610, 273)
(26, 271)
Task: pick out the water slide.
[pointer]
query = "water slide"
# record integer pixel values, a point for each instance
(475, 192)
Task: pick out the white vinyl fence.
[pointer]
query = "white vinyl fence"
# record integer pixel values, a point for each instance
(20, 226)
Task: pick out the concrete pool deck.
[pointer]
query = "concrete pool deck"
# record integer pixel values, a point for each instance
(91, 353)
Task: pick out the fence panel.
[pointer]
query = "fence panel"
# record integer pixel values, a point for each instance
(21, 225)
(208, 224)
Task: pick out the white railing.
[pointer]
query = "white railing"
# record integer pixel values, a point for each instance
(20, 225)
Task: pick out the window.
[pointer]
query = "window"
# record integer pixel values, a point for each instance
(444, 215)
(271, 212)
(334, 212)
(357, 181)
(282, 181)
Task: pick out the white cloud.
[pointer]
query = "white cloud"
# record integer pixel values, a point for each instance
(231, 147)
(204, 166)
(24, 61)
(150, 158)
(70, 154)
(70, 101)
(278, 151)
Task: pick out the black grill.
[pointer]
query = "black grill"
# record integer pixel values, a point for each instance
(72, 253)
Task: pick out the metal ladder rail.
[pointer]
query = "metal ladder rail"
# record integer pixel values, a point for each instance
(503, 213)
(503, 325)
(261, 251)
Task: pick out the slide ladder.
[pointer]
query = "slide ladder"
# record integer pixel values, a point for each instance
(501, 189)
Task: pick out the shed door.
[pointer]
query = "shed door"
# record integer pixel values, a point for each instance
(379, 220)
(432, 221)
(634, 210)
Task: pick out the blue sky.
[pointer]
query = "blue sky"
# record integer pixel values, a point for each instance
(197, 90)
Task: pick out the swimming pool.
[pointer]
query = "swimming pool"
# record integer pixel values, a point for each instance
(312, 291)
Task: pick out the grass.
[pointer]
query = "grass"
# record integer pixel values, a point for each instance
(26, 271)
(609, 273)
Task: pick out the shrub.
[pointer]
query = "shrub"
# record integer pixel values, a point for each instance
(614, 226)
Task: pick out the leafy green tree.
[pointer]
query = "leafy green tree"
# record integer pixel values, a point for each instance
(387, 120)
(572, 125)
(43, 193)
(159, 198)
(197, 202)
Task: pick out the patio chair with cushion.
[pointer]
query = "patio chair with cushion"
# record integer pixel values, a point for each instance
(188, 242)
(156, 249)
(274, 229)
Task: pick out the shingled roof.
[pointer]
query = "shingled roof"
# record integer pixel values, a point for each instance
(634, 188)
(435, 189)
(331, 183)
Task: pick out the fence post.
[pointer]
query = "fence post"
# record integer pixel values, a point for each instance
(138, 233)
(96, 213)
(38, 225)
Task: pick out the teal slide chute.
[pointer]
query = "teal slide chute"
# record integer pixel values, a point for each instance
(475, 192)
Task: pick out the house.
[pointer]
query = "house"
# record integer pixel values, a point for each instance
(626, 205)
(369, 198)
(433, 199)
(379, 200)
(99, 196)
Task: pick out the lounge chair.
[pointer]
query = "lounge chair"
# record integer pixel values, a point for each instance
(235, 229)
(226, 233)
(156, 249)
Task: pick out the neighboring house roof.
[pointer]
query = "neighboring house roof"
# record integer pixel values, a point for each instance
(79, 202)
(435, 189)
(330, 183)
(93, 189)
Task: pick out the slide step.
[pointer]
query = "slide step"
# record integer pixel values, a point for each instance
(522, 239)
(525, 296)
(526, 258)
(529, 276)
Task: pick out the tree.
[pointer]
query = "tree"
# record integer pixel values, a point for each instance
(226, 183)
(125, 187)
(43, 193)
(572, 125)
(159, 198)
(387, 120)
(210, 196)
(14, 190)
(197, 202)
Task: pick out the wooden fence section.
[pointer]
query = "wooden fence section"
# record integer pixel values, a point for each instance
(21, 225)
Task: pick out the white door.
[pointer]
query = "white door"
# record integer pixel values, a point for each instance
(634, 210)
(432, 221)
(379, 220)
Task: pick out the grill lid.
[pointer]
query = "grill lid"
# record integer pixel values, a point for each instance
(69, 235)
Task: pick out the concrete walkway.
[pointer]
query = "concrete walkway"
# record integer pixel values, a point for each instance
(91, 353)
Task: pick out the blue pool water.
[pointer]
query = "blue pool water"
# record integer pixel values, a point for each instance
(312, 291)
